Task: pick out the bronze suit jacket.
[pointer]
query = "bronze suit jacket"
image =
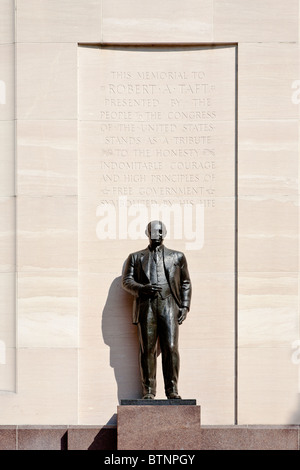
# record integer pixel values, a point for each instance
(136, 274)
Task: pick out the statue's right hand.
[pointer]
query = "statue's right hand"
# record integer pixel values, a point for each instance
(150, 289)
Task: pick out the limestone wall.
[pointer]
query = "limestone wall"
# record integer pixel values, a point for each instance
(71, 72)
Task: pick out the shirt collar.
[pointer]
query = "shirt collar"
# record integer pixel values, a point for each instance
(159, 249)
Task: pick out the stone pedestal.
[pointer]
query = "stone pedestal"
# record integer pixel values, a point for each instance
(158, 425)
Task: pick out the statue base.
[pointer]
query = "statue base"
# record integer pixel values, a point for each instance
(158, 425)
(141, 402)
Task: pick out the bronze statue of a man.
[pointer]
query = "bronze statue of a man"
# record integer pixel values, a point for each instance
(158, 278)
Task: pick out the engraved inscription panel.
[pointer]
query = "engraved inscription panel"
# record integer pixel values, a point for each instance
(157, 140)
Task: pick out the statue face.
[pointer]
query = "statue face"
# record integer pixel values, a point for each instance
(156, 234)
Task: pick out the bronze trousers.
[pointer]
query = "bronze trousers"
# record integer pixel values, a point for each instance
(159, 323)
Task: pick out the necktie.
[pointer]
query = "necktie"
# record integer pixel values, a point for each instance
(153, 270)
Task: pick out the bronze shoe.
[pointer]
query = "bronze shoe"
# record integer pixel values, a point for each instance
(148, 396)
(173, 396)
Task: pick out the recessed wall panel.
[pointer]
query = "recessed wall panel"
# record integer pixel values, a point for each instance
(156, 140)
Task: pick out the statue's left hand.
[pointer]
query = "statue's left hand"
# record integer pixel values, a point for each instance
(182, 314)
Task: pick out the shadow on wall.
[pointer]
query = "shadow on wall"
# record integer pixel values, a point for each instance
(106, 439)
(295, 418)
(121, 336)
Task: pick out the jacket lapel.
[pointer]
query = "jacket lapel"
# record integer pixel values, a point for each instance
(168, 260)
(145, 263)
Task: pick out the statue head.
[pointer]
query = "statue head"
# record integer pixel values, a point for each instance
(156, 232)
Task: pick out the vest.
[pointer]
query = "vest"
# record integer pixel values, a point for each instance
(157, 273)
